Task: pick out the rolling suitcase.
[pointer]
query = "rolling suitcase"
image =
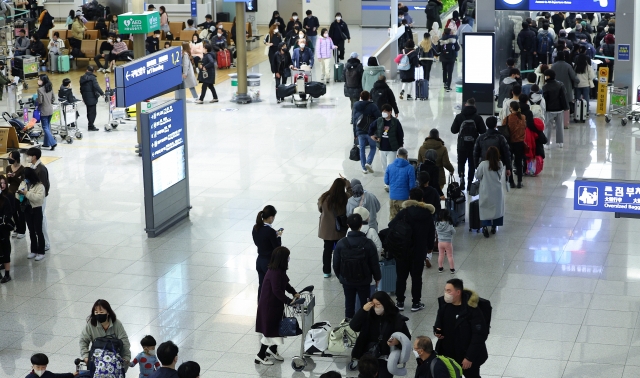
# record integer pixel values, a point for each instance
(315, 89)
(474, 215)
(456, 209)
(338, 69)
(422, 89)
(285, 90)
(63, 63)
(581, 111)
(224, 59)
(389, 276)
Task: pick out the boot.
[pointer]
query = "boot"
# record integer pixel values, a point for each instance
(462, 183)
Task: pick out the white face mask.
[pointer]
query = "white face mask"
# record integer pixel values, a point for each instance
(294, 18)
(118, 40)
(448, 298)
(301, 35)
(219, 35)
(338, 18)
(39, 372)
(385, 115)
(275, 30)
(415, 353)
(110, 40)
(326, 35)
(151, 352)
(302, 45)
(379, 310)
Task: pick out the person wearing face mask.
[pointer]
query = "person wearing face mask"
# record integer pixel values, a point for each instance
(113, 25)
(302, 36)
(461, 328)
(271, 306)
(55, 48)
(147, 358)
(311, 25)
(120, 52)
(376, 321)
(152, 43)
(90, 91)
(339, 32)
(292, 37)
(31, 194)
(324, 51)
(39, 362)
(272, 41)
(36, 47)
(389, 136)
(197, 49)
(266, 239)
(280, 64)
(100, 323)
(302, 55)
(293, 21)
(104, 53)
(429, 365)
(405, 12)
(46, 98)
(276, 19)
(219, 41)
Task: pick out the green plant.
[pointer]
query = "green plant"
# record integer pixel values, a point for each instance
(448, 4)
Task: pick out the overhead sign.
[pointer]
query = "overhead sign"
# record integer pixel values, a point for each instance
(129, 23)
(147, 77)
(558, 5)
(624, 52)
(616, 196)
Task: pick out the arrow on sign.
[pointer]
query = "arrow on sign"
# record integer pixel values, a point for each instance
(127, 75)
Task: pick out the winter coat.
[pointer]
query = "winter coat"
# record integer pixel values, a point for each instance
(276, 39)
(337, 29)
(292, 24)
(409, 76)
(324, 48)
(450, 53)
(370, 203)
(91, 332)
(424, 367)
(534, 139)
(281, 64)
(363, 322)
(45, 25)
(387, 97)
(445, 231)
(567, 76)
(46, 101)
(89, 89)
(419, 215)
(468, 113)
(442, 161)
(37, 48)
(609, 49)
(312, 23)
(308, 44)
(353, 64)
(327, 222)
(492, 138)
(492, 187)
(366, 108)
(187, 69)
(434, 176)
(506, 86)
(197, 49)
(470, 331)
(527, 40)
(555, 96)
(372, 234)
(395, 133)
(355, 239)
(370, 76)
(302, 56)
(401, 178)
(279, 20)
(77, 30)
(538, 99)
(516, 126)
(272, 302)
(585, 80)
(35, 194)
(425, 56)
(209, 65)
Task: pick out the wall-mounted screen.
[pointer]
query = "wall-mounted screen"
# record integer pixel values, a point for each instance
(478, 71)
(558, 5)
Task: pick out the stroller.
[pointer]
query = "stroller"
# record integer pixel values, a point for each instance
(26, 133)
(82, 369)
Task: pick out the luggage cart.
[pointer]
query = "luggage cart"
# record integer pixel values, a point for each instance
(82, 369)
(619, 106)
(117, 116)
(299, 77)
(304, 308)
(64, 121)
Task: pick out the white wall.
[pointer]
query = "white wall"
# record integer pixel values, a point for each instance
(323, 9)
(265, 10)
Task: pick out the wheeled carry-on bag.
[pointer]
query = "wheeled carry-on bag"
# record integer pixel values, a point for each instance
(474, 215)
(456, 209)
(338, 68)
(63, 63)
(389, 276)
(315, 89)
(581, 111)
(422, 89)
(224, 59)
(285, 90)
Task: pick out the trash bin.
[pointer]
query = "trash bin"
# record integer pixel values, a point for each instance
(253, 85)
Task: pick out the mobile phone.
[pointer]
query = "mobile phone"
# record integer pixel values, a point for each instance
(280, 229)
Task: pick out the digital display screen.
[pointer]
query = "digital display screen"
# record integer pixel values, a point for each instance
(168, 170)
(558, 5)
(478, 71)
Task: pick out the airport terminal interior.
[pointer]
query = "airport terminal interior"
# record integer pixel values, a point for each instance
(564, 284)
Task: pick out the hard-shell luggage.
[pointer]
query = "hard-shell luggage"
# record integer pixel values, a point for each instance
(389, 276)
(285, 90)
(422, 89)
(567, 118)
(315, 89)
(456, 209)
(581, 111)
(338, 69)
(63, 64)
(300, 82)
(474, 215)
(224, 59)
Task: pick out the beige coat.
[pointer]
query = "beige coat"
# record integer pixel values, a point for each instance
(77, 30)
(35, 195)
(442, 161)
(327, 223)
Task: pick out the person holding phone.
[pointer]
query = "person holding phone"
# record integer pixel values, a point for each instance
(266, 238)
(31, 193)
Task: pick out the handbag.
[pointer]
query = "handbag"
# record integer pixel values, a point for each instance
(289, 324)
(474, 188)
(373, 348)
(341, 222)
(504, 129)
(354, 154)
(7, 223)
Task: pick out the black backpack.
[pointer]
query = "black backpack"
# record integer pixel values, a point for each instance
(351, 76)
(365, 120)
(492, 140)
(468, 131)
(353, 262)
(398, 242)
(379, 96)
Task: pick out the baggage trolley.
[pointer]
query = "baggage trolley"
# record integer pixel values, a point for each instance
(304, 309)
(82, 369)
(300, 77)
(619, 105)
(64, 121)
(117, 116)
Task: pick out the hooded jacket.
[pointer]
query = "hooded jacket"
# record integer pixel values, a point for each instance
(401, 178)
(89, 89)
(354, 239)
(408, 76)
(420, 216)
(353, 64)
(365, 322)
(506, 86)
(445, 231)
(384, 95)
(527, 40)
(468, 113)
(442, 161)
(66, 94)
(449, 48)
(468, 336)
(537, 99)
(364, 108)
(370, 203)
(370, 76)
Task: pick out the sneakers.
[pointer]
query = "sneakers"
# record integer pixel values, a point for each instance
(327, 275)
(275, 355)
(100, 69)
(402, 94)
(108, 70)
(31, 255)
(199, 102)
(20, 236)
(364, 171)
(368, 168)
(453, 271)
(386, 188)
(39, 258)
(400, 306)
(447, 89)
(417, 307)
(93, 128)
(46, 247)
(14, 234)
(409, 98)
(561, 145)
(440, 270)
(214, 100)
(6, 278)
(264, 361)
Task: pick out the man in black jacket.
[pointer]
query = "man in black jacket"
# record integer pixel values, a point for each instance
(433, 10)
(557, 103)
(311, 25)
(381, 94)
(366, 112)
(419, 215)
(492, 138)
(423, 348)
(355, 262)
(527, 44)
(468, 125)
(352, 77)
(91, 92)
(461, 328)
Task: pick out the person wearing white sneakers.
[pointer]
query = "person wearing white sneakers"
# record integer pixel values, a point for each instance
(33, 156)
(31, 195)
(15, 175)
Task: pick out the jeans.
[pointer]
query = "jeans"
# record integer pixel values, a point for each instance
(426, 68)
(465, 155)
(363, 291)
(19, 53)
(363, 140)
(18, 218)
(447, 73)
(106, 60)
(34, 221)
(386, 158)
(91, 115)
(327, 253)
(517, 151)
(261, 268)
(5, 246)
(280, 80)
(313, 39)
(472, 21)
(556, 118)
(46, 127)
(413, 267)
(204, 91)
(526, 60)
(584, 93)
(194, 94)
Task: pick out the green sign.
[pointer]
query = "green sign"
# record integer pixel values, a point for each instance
(129, 23)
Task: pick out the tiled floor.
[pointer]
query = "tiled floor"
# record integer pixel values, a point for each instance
(565, 285)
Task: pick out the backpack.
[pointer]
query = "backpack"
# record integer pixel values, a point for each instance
(455, 370)
(353, 263)
(351, 75)
(77, 53)
(468, 131)
(364, 121)
(451, 24)
(379, 96)
(405, 63)
(399, 240)
(341, 335)
(536, 109)
(485, 306)
(545, 42)
(105, 359)
(471, 9)
(453, 189)
(492, 140)
(432, 11)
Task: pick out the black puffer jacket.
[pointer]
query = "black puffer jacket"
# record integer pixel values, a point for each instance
(492, 138)
(367, 323)
(89, 89)
(555, 96)
(353, 91)
(420, 216)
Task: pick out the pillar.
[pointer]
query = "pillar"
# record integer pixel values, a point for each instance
(241, 60)
(486, 16)
(138, 52)
(627, 31)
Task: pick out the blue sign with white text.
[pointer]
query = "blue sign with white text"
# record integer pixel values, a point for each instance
(616, 196)
(558, 5)
(194, 9)
(166, 128)
(147, 77)
(624, 52)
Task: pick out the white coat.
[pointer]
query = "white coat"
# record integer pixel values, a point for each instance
(492, 188)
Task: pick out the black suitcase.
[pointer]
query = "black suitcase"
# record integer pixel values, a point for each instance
(315, 89)
(285, 90)
(223, 17)
(474, 216)
(456, 209)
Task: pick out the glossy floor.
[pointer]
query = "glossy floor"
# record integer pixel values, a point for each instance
(565, 285)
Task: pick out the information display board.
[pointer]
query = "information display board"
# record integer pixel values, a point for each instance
(478, 74)
(558, 5)
(616, 196)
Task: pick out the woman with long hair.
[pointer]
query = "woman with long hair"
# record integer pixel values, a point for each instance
(332, 206)
(272, 41)
(427, 54)
(77, 32)
(101, 322)
(197, 49)
(6, 226)
(188, 73)
(46, 98)
(408, 77)
(516, 122)
(491, 174)
(585, 75)
(164, 20)
(273, 298)
(31, 193)
(15, 176)
(267, 239)
(70, 17)
(280, 66)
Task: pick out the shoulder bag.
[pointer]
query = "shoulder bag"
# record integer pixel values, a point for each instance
(341, 221)
(289, 323)
(474, 188)
(504, 130)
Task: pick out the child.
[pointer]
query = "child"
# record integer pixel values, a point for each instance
(445, 231)
(167, 45)
(147, 358)
(531, 81)
(39, 362)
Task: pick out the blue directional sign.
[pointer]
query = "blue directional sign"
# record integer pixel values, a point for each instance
(616, 196)
(146, 77)
(166, 128)
(194, 9)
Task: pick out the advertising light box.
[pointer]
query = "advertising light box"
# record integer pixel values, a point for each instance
(558, 5)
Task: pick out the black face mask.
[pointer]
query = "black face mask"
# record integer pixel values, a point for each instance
(11, 161)
(101, 318)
